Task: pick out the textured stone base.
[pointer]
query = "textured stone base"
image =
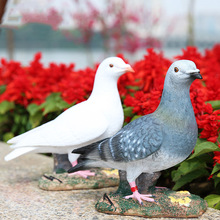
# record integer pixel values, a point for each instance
(57, 182)
(168, 203)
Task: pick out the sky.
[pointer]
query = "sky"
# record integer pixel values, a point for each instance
(171, 8)
(181, 6)
(175, 7)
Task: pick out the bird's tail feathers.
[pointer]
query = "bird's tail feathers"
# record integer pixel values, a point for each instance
(91, 156)
(82, 165)
(13, 140)
(18, 152)
(18, 138)
(85, 150)
(92, 151)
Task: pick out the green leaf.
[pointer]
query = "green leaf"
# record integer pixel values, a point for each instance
(36, 115)
(2, 89)
(24, 119)
(35, 120)
(217, 206)
(215, 104)
(216, 168)
(33, 109)
(136, 88)
(17, 118)
(4, 119)
(216, 180)
(186, 167)
(204, 147)
(54, 103)
(6, 106)
(7, 136)
(136, 117)
(213, 200)
(199, 141)
(128, 112)
(190, 177)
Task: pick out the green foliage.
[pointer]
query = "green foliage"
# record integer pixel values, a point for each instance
(35, 114)
(7, 136)
(128, 112)
(197, 169)
(6, 106)
(203, 147)
(53, 103)
(2, 89)
(15, 119)
(196, 165)
(189, 176)
(215, 104)
(136, 117)
(213, 201)
(216, 169)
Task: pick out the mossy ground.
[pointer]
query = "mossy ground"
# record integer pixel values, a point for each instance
(61, 181)
(167, 203)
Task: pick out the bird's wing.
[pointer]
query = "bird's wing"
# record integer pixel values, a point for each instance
(76, 126)
(137, 140)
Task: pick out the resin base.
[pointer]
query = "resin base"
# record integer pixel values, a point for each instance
(168, 203)
(57, 182)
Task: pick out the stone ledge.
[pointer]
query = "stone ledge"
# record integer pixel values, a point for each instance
(20, 197)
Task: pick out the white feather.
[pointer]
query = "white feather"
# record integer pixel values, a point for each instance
(18, 152)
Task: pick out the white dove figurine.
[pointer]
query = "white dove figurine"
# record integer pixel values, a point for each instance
(99, 117)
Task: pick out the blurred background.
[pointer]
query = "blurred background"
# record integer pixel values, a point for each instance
(87, 31)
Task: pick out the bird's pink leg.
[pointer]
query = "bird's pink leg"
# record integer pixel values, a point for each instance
(136, 195)
(82, 173)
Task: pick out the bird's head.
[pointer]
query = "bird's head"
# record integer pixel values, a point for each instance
(183, 71)
(113, 67)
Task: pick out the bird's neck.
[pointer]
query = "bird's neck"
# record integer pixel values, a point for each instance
(176, 100)
(104, 90)
(106, 98)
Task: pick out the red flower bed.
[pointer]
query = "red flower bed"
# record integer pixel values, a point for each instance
(29, 87)
(141, 91)
(32, 84)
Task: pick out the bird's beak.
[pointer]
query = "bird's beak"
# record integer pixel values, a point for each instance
(129, 69)
(195, 74)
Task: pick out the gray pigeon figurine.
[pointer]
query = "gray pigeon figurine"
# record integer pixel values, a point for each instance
(152, 142)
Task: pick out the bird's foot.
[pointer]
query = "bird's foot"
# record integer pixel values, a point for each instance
(83, 173)
(136, 195)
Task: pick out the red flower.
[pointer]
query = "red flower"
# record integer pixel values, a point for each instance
(140, 90)
(143, 89)
(216, 157)
(210, 124)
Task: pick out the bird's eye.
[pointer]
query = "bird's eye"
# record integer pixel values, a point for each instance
(176, 69)
(111, 65)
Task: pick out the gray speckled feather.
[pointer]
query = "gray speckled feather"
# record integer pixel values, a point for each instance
(156, 141)
(137, 140)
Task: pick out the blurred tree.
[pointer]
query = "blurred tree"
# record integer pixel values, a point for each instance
(191, 12)
(117, 23)
(2, 8)
(9, 32)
